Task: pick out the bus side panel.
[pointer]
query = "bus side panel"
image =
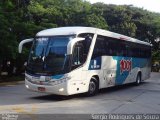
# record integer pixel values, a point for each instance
(109, 67)
(128, 68)
(77, 84)
(117, 70)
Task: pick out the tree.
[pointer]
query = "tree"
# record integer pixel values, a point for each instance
(20, 19)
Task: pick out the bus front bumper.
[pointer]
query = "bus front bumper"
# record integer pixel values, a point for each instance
(60, 89)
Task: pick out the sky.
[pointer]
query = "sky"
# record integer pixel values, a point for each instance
(150, 5)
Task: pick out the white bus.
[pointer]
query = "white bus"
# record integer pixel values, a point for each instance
(72, 60)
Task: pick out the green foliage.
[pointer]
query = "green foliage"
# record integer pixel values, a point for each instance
(20, 19)
(156, 55)
(93, 20)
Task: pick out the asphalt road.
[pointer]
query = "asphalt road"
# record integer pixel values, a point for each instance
(128, 99)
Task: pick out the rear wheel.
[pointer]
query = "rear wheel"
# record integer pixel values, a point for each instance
(138, 79)
(93, 87)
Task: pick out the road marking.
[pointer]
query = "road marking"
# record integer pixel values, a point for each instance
(19, 109)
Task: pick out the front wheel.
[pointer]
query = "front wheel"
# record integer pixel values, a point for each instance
(93, 87)
(138, 79)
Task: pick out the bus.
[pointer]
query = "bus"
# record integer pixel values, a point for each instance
(72, 60)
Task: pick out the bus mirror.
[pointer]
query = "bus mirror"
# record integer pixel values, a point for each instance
(22, 43)
(72, 43)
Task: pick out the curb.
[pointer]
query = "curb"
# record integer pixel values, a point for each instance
(11, 83)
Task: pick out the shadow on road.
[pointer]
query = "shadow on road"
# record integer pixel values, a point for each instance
(52, 97)
(120, 87)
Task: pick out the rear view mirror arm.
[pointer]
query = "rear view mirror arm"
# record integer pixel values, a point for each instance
(22, 43)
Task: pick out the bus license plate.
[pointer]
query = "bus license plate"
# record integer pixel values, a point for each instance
(41, 89)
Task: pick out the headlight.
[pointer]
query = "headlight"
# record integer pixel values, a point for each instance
(63, 80)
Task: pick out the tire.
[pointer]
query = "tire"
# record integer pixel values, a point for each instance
(138, 79)
(93, 87)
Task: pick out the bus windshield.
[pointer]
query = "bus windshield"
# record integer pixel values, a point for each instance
(49, 55)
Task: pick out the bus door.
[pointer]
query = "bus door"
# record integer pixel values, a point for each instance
(77, 59)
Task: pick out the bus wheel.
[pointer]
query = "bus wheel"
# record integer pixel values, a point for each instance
(93, 87)
(138, 79)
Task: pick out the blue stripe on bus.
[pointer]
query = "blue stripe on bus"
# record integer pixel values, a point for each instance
(57, 76)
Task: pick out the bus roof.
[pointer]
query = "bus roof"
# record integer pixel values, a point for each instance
(77, 30)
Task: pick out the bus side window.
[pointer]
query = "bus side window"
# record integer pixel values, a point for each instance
(106, 47)
(86, 43)
(99, 48)
(113, 47)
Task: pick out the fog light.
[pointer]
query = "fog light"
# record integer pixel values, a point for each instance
(61, 89)
(27, 86)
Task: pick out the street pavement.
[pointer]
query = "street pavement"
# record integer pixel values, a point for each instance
(126, 99)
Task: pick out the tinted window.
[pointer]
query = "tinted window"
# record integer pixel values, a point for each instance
(100, 48)
(116, 47)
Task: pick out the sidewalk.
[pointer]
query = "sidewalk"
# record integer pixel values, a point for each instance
(11, 83)
(12, 80)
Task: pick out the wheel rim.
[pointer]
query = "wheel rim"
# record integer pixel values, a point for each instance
(92, 87)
